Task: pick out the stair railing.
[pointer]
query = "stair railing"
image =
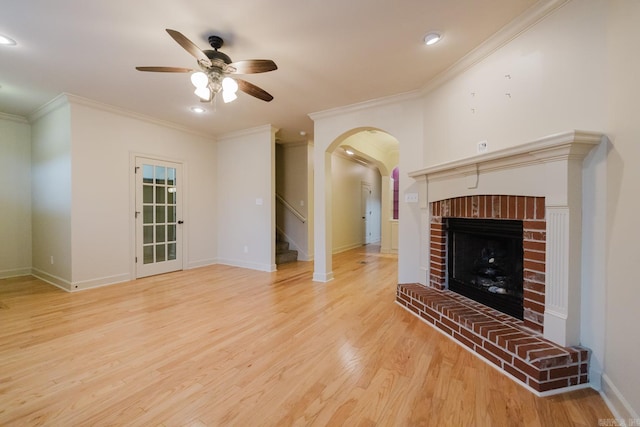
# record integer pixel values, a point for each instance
(291, 208)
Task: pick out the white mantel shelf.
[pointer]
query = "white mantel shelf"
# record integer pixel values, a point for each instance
(562, 145)
(549, 167)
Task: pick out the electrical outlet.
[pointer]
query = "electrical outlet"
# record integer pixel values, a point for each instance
(51, 260)
(246, 249)
(483, 146)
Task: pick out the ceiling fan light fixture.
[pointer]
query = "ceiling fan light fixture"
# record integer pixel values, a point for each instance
(432, 38)
(228, 96)
(204, 93)
(229, 85)
(199, 79)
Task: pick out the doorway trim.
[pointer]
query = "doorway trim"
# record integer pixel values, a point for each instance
(133, 155)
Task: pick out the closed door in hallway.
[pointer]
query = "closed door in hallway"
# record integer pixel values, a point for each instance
(158, 217)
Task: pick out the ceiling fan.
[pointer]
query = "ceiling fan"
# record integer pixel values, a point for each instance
(215, 71)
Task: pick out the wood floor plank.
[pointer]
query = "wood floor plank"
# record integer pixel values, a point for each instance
(223, 346)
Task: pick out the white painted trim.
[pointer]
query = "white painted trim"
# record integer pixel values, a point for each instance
(100, 282)
(13, 118)
(57, 102)
(201, 263)
(52, 280)
(67, 98)
(515, 170)
(619, 406)
(324, 278)
(17, 272)
(347, 248)
(513, 29)
(373, 103)
(570, 143)
(133, 156)
(269, 268)
(246, 132)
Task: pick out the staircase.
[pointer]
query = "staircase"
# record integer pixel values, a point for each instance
(283, 253)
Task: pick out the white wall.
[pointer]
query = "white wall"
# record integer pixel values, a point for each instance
(15, 196)
(576, 69)
(83, 191)
(400, 117)
(347, 177)
(246, 198)
(622, 344)
(556, 84)
(51, 195)
(104, 144)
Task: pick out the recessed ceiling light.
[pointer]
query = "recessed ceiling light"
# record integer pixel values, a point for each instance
(198, 110)
(7, 41)
(432, 38)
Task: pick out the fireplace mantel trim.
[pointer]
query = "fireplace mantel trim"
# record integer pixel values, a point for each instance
(574, 144)
(549, 167)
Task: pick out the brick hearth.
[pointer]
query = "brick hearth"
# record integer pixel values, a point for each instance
(498, 338)
(538, 183)
(530, 210)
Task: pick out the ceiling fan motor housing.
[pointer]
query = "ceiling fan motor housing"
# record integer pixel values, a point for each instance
(215, 56)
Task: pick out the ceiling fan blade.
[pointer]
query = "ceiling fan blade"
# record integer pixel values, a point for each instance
(165, 69)
(253, 66)
(190, 47)
(253, 90)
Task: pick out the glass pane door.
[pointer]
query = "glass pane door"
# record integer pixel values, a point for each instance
(158, 208)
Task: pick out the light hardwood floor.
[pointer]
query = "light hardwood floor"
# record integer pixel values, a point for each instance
(223, 346)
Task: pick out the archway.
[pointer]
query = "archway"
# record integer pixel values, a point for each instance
(375, 149)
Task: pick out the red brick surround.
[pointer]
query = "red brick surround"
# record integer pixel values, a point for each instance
(498, 338)
(530, 210)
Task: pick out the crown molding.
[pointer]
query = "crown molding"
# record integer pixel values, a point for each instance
(249, 131)
(506, 34)
(13, 118)
(70, 99)
(373, 103)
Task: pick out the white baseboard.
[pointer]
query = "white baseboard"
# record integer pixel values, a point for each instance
(617, 403)
(322, 277)
(250, 265)
(346, 248)
(52, 280)
(101, 281)
(202, 263)
(17, 272)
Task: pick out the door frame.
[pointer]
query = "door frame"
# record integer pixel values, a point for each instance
(133, 155)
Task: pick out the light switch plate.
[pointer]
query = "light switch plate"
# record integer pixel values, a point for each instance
(411, 197)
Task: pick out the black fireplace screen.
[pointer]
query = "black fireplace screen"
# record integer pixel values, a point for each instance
(484, 262)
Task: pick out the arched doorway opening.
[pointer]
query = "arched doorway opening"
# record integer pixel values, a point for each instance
(359, 163)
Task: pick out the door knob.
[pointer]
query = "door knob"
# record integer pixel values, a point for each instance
(180, 222)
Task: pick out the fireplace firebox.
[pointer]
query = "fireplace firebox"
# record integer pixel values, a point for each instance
(485, 262)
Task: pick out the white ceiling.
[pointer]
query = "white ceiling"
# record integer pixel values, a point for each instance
(329, 53)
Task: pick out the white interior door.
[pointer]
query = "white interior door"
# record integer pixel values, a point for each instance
(158, 217)
(367, 213)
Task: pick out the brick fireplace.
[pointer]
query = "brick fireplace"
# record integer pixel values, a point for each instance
(530, 210)
(538, 183)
